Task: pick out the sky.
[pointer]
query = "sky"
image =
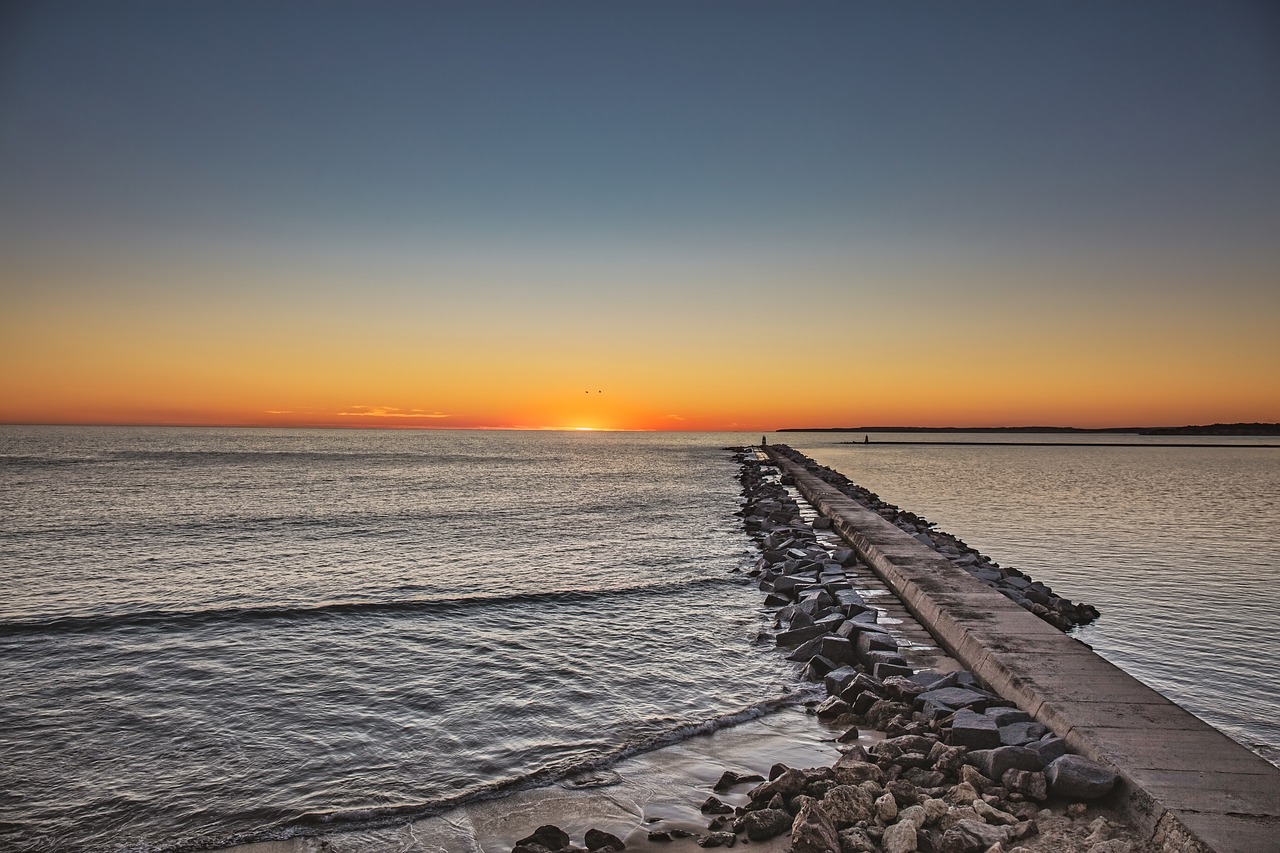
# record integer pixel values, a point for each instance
(639, 215)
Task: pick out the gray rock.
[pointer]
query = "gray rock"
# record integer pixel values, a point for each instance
(1007, 716)
(954, 697)
(993, 762)
(764, 824)
(1077, 778)
(840, 678)
(1020, 734)
(868, 641)
(885, 669)
(838, 649)
(876, 656)
(856, 840)
(1050, 747)
(972, 730)
(796, 636)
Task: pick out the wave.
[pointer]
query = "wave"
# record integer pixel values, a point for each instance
(336, 609)
(565, 772)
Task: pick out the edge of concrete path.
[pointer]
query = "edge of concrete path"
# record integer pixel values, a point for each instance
(1183, 783)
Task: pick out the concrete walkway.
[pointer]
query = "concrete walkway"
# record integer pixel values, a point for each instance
(1187, 785)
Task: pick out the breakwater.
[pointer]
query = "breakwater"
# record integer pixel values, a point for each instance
(1183, 783)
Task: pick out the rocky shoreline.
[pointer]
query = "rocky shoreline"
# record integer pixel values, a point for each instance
(930, 762)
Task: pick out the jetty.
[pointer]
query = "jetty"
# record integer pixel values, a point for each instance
(1186, 786)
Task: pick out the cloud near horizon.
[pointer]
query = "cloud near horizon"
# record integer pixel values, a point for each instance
(390, 412)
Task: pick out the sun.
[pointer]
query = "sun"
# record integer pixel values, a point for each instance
(584, 429)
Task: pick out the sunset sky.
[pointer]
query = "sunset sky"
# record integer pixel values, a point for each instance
(640, 215)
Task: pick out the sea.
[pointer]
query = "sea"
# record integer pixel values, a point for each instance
(216, 636)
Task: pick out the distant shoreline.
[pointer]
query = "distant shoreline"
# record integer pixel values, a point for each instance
(1244, 429)
(1056, 444)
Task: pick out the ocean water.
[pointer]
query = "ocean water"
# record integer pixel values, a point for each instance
(224, 635)
(211, 636)
(1179, 547)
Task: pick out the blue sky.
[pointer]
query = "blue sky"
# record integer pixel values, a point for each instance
(698, 149)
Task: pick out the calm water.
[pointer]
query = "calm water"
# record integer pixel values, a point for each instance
(228, 634)
(1179, 547)
(216, 635)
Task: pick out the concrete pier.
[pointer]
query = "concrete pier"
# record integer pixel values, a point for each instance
(1184, 784)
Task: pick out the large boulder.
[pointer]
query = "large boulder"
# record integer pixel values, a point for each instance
(813, 832)
(1076, 778)
(972, 730)
(899, 838)
(994, 762)
(764, 824)
(848, 804)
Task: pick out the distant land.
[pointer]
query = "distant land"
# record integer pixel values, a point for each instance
(1212, 429)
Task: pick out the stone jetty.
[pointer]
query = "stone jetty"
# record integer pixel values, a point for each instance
(958, 749)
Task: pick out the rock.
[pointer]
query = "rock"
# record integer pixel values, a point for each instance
(597, 839)
(899, 838)
(796, 636)
(837, 648)
(856, 840)
(851, 735)
(962, 793)
(948, 759)
(1050, 747)
(973, 730)
(1076, 778)
(548, 836)
(849, 769)
(972, 836)
(1007, 716)
(713, 805)
(952, 697)
(904, 793)
(993, 815)
(934, 811)
(915, 814)
(1020, 734)
(789, 783)
(974, 777)
(993, 762)
(886, 808)
(1028, 783)
(891, 670)
(728, 779)
(832, 706)
(847, 804)
(1115, 845)
(839, 678)
(718, 839)
(763, 824)
(813, 832)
